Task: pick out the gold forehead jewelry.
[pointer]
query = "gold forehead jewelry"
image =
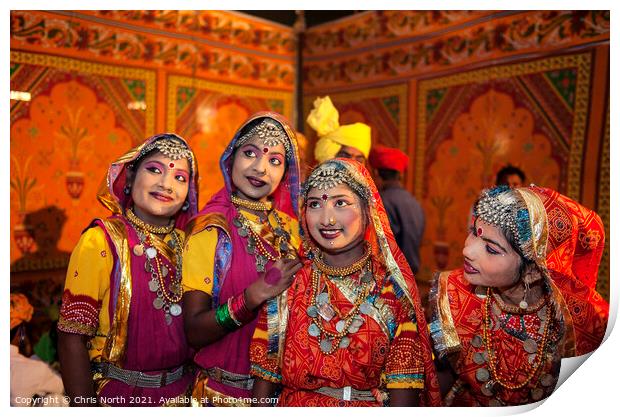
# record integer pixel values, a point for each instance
(169, 146)
(331, 174)
(270, 132)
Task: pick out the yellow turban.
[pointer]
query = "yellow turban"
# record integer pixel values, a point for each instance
(21, 310)
(324, 120)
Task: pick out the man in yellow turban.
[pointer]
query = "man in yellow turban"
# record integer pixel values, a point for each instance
(335, 141)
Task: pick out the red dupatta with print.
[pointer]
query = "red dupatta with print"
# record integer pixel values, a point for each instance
(360, 365)
(575, 246)
(567, 241)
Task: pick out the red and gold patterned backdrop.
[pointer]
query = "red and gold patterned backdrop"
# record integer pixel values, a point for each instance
(208, 115)
(61, 144)
(530, 114)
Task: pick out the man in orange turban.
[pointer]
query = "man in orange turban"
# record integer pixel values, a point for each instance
(404, 212)
(21, 310)
(33, 382)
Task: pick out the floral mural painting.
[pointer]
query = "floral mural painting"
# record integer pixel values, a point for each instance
(76, 134)
(21, 185)
(61, 142)
(473, 123)
(413, 43)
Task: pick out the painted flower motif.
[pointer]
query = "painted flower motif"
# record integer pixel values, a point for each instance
(331, 369)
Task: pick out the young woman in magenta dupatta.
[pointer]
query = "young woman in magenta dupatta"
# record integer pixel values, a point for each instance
(121, 337)
(241, 252)
(523, 300)
(354, 333)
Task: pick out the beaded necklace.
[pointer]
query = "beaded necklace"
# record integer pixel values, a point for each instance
(538, 361)
(321, 308)
(167, 299)
(255, 245)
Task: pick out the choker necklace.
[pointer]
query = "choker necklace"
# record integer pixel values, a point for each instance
(342, 271)
(505, 307)
(141, 224)
(251, 205)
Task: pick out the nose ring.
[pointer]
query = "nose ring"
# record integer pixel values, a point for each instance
(332, 221)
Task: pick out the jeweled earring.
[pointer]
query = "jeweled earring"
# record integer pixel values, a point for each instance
(127, 189)
(185, 206)
(523, 305)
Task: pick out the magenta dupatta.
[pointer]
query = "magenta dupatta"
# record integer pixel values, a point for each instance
(151, 345)
(231, 352)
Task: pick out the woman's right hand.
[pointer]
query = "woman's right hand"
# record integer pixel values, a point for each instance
(272, 282)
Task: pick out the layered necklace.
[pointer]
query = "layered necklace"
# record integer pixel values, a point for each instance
(321, 309)
(255, 245)
(166, 299)
(491, 377)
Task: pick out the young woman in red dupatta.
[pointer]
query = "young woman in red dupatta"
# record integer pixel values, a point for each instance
(241, 252)
(120, 322)
(354, 333)
(523, 300)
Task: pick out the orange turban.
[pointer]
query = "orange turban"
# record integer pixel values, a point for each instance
(21, 310)
(382, 157)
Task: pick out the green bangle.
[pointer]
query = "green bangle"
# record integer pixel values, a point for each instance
(222, 317)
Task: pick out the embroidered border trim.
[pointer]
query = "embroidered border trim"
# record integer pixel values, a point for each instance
(79, 314)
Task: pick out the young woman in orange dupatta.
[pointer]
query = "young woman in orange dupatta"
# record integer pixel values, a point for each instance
(354, 333)
(523, 300)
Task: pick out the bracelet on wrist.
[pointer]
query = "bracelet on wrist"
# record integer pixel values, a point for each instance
(224, 319)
